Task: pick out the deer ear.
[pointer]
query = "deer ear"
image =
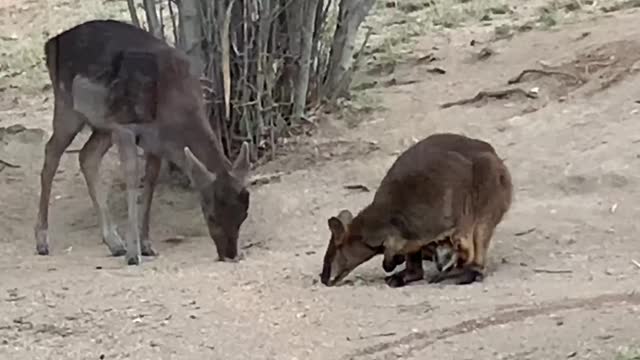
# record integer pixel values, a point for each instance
(196, 171)
(240, 168)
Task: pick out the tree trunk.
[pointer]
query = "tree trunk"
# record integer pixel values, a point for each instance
(302, 78)
(190, 33)
(352, 13)
(133, 13)
(152, 18)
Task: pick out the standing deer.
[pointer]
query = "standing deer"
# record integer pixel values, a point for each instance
(133, 89)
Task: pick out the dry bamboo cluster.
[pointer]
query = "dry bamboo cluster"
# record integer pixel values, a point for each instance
(264, 63)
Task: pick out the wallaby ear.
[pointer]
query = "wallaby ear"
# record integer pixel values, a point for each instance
(196, 171)
(89, 97)
(337, 229)
(345, 217)
(240, 168)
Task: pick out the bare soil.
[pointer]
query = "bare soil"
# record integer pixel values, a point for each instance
(562, 283)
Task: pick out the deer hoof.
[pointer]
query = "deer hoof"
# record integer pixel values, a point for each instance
(133, 260)
(118, 251)
(147, 250)
(42, 242)
(42, 249)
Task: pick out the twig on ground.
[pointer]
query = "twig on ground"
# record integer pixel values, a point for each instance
(437, 70)
(541, 72)
(396, 82)
(551, 271)
(636, 263)
(72, 151)
(497, 94)
(525, 232)
(364, 337)
(8, 164)
(357, 187)
(265, 179)
(252, 244)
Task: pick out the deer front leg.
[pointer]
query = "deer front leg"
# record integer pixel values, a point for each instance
(126, 141)
(90, 157)
(152, 170)
(413, 271)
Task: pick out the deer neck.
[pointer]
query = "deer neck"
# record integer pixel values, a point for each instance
(205, 146)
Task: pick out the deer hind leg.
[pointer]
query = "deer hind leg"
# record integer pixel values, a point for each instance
(152, 170)
(90, 158)
(126, 141)
(66, 125)
(413, 271)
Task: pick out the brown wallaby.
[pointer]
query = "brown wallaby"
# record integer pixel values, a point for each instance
(427, 195)
(492, 198)
(135, 90)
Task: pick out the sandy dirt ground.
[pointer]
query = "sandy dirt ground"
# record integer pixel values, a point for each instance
(561, 283)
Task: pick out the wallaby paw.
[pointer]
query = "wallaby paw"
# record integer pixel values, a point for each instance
(469, 276)
(395, 280)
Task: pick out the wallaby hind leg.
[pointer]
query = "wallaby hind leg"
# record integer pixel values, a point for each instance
(412, 272)
(475, 270)
(90, 158)
(66, 125)
(126, 141)
(475, 250)
(152, 170)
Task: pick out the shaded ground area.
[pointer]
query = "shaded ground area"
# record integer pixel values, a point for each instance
(562, 283)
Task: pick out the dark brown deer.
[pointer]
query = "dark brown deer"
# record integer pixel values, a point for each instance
(133, 89)
(427, 196)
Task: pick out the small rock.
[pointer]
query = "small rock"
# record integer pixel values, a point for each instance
(572, 354)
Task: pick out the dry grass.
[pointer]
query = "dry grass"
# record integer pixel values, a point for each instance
(628, 354)
(396, 24)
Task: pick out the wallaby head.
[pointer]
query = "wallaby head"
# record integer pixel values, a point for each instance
(348, 247)
(224, 199)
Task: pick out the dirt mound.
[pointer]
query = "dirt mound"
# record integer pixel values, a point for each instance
(591, 70)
